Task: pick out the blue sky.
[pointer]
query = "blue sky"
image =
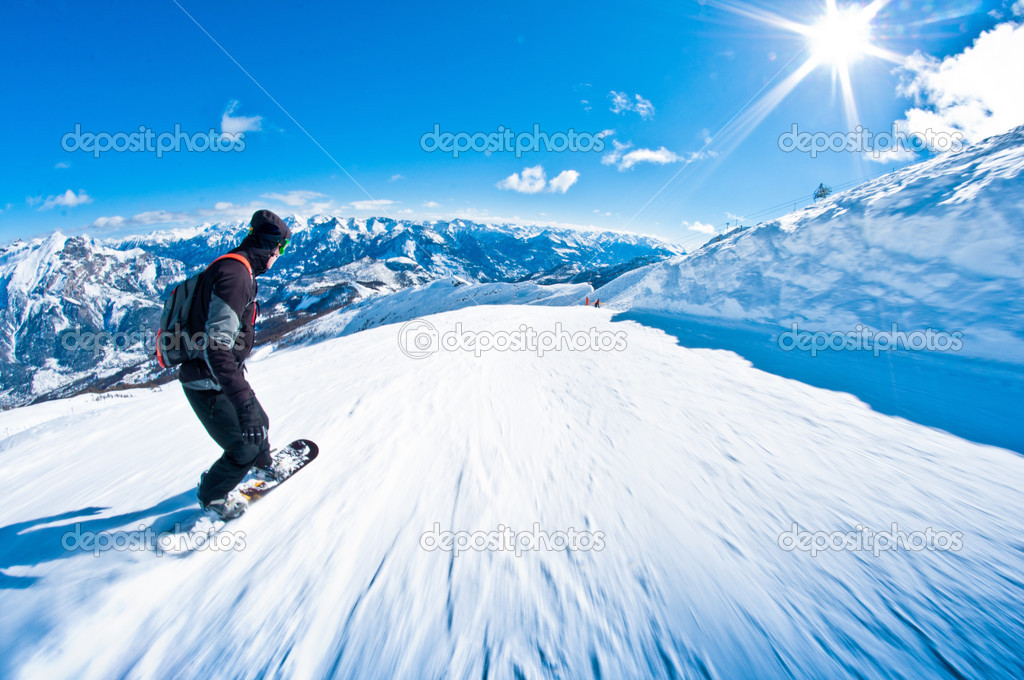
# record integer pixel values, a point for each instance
(367, 81)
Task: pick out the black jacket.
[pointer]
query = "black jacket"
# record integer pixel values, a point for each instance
(225, 308)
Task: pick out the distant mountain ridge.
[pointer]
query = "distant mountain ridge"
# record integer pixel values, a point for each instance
(57, 290)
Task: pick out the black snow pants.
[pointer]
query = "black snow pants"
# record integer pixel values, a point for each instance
(220, 419)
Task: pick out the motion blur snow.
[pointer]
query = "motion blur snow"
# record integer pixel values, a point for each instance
(691, 462)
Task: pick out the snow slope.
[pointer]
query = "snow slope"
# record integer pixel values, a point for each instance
(443, 295)
(690, 461)
(936, 245)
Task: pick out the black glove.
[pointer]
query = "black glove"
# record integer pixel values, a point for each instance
(253, 422)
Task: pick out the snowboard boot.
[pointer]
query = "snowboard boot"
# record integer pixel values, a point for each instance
(265, 468)
(226, 508)
(229, 507)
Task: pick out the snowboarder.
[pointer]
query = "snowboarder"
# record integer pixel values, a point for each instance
(225, 307)
(597, 302)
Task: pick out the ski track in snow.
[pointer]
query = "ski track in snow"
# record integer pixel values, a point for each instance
(690, 462)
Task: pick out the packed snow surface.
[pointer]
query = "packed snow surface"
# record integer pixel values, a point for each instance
(689, 464)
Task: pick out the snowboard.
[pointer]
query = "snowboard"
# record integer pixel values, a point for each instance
(203, 532)
(287, 462)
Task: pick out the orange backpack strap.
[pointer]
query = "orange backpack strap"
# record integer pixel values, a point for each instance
(236, 256)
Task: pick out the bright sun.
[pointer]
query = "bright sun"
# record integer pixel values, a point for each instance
(841, 33)
(842, 36)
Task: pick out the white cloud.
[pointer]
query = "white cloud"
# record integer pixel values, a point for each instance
(63, 165)
(624, 159)
(114, 221)
(232, 126)
(700, 227)
(395, 178)
(611, 133)
(534, 180)
(221, 211)
(661, 156)
(972, 92)
(295, 199)
(1018, 8)
(431, 204)
(564, 180)
(405, 211)
(303, 202)
(622, 103)
(615, 155)
(375, 204)
(160, 217)
(69, 199)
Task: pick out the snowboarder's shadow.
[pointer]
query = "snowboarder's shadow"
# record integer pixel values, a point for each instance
(34, 542)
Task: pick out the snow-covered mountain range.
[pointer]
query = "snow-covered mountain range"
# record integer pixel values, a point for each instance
(61, 297)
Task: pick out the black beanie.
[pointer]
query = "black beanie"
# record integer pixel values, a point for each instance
(267, 231)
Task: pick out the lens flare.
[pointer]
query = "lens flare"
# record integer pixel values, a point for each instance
(841, 36)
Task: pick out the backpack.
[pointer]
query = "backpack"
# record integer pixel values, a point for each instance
(174, 343)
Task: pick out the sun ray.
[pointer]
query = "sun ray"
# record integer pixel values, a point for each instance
(849, 103)
(744, 123)
(842, 35)
(872, 10)
(762, 15)
(884, 54)
(737, 128)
